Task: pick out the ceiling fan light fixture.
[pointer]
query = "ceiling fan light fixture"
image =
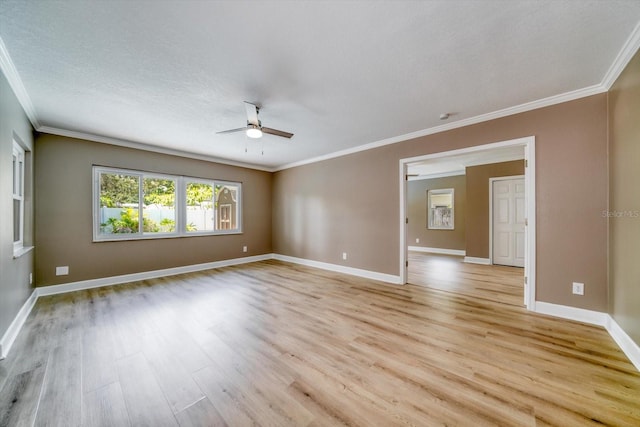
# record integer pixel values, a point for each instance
(254, 131)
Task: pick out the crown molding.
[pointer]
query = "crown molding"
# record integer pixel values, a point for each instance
(528, 106)
(627, 52)
(146, 147)
(623, 58)
(11, 73)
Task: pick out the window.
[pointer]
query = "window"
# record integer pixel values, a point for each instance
(159, 207)
(440, 209)
(200, 204)
(141, 205)
(18, 197)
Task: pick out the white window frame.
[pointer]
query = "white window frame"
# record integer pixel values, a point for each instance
(18, 194)
(180, 206)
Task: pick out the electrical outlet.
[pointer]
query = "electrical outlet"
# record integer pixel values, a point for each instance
(62, 271)
(578, 288)
(344, 256)
(244, 249)
(417, 240)
(31, 278)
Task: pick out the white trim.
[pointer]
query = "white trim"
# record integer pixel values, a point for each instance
(598, 318)
(472, 149)
(442, 251)
(11, 334)
(477, 260)
(545, 102)
(530, 261)
(367, 274)
(11, 73)
(17, 185)
(126, 278)
(404, 220)
(572, 313)
(624, 341)
(437, 175)
(528, 106)
(147, 147)
(22, 251)
(626, 344)
(625, 54)
(623, 58)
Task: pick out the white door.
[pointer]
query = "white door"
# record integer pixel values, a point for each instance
(508, 222)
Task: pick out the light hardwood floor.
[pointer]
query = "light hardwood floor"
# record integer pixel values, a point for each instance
(449, 273)
(277, 344)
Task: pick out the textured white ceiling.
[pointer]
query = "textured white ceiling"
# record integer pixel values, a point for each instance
(337, 74)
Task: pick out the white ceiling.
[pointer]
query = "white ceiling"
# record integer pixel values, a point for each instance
(455, 164)
(337, 74)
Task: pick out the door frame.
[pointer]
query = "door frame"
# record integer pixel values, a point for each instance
(491, 181)
(530, 190)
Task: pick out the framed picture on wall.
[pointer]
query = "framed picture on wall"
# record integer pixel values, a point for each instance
(440, 209)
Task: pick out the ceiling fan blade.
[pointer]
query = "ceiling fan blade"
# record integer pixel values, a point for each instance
(252, 113)
(277, 132)
(231, 131)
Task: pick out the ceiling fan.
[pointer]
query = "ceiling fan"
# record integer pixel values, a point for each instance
(254, 128)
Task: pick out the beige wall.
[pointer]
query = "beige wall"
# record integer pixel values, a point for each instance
(351, 203)
(417, 213)
(14, 273)
(478, 203)
(324, 209)
(64, 213)
(624, 199)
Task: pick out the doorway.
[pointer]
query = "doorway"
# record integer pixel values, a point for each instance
(529, 243)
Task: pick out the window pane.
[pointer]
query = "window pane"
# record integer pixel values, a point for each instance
(17, 220)
(226, 206)
(200, 213)
(159, 214)
(119, 203)
(15, 174)
(20, 178)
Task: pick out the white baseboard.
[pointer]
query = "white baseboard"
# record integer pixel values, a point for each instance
(14, 328)
(458, 252)
(368, 274)
(12, 332)
(624, 341)
(126, 278)
(572, 313)
(475, 260)
(626, 344)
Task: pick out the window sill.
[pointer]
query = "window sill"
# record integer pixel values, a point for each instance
(17, 253)
(123, 238)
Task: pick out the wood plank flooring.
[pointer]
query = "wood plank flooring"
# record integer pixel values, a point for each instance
(449, 273)
(277, 344)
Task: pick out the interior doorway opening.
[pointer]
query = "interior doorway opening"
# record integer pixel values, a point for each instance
(439, 263)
